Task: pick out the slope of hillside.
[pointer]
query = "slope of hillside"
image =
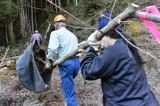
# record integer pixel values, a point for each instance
(89, 93)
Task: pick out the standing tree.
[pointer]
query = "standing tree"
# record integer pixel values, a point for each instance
(22, 19)
(32, 17)
(8, 12)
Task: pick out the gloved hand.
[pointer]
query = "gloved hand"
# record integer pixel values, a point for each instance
(93, 42)
(79, 55)
(49, 64)
(82, 50)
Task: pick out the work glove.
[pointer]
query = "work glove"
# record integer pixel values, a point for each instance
(49, 64)
(82, 50)
(79, 55)
(93, 42)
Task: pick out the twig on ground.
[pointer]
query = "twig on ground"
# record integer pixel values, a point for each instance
(4, 55)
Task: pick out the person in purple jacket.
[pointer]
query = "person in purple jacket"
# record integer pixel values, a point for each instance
(36, 36)
(120, 68)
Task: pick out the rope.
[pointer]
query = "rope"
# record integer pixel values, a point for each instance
(78, 27)
(70, 14)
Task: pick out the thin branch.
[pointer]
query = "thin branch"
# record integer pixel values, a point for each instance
(69, 14)
(4, 55)
(113, 7)
(40, 60)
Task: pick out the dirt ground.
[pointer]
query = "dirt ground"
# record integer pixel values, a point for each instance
(89, 93)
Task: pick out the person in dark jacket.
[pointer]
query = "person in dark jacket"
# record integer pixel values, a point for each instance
(120, 68)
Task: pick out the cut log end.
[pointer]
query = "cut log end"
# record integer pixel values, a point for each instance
(135, 5)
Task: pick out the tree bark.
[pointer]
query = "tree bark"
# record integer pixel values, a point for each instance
(32, 17)
(11, 34)
(59, 3)
(6, 32)
(55, 6)
(76, 2)
(68, 2)
(10, 30)
(25, 18)
(35, 21)
(29, 30)
(22, 20)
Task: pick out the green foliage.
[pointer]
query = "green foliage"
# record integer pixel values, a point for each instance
(8, 11)
(2, 48)
(92, 21)
(133, 28)
(81, 38)
(71, 8)
(14, 72)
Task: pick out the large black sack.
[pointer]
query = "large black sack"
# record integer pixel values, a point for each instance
(29, 75)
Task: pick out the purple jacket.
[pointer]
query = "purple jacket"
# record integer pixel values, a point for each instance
(36, 36)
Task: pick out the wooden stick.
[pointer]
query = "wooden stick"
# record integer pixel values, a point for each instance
(149, 16)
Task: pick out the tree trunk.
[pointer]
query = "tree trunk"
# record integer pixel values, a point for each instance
(59, 3)
(46, 3)
(6, 32)
(10, 31)
(22, 20)
(32, 17)
(29, 30)
(55, 6)
(51, 6)
(68, 2)
(26, 17)
(41, 2)
(76, 2)
(11, 34)
(35, 15)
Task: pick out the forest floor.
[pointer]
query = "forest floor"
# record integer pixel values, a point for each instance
(88, 93)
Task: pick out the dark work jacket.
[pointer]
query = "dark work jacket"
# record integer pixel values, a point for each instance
(124, 82)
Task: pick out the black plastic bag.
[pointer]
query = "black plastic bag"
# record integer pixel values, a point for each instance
(28, 73)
